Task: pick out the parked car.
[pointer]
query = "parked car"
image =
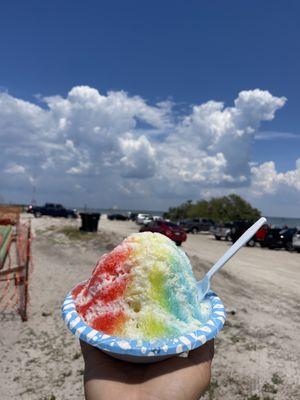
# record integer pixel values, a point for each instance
(196, 225)
(172, 231)
(118, 217)
(239, 227)
(132, 215)
(140, 218)
(280, 238)
(53, 210)
(222, 231)
(261, 235)
(296, 240)
(146, 221)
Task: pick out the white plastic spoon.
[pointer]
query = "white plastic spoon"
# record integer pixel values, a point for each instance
(204, 284)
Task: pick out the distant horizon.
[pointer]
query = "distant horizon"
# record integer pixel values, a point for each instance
(112, 209)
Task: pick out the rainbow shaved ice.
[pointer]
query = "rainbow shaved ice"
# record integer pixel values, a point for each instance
(143, 289)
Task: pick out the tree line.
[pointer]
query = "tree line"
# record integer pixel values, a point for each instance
(220, 209)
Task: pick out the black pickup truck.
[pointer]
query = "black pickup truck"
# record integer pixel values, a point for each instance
(53, 210)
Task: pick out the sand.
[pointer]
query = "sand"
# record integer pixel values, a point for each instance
(257, 354)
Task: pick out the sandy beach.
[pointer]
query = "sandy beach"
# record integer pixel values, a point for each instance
(257, 354)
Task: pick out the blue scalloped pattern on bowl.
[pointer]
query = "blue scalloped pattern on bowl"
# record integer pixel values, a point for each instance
(158, 347)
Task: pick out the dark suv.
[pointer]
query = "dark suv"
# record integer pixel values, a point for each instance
(280, 238)
(118, 217)
(238, 228)
(196, 225)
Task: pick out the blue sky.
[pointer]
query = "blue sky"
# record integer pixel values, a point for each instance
(184, 52)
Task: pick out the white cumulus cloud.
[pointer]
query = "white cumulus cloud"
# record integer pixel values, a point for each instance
(118, 148)
(138, 159)
(265, 179)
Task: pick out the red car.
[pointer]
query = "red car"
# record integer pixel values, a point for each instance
(172, 231)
